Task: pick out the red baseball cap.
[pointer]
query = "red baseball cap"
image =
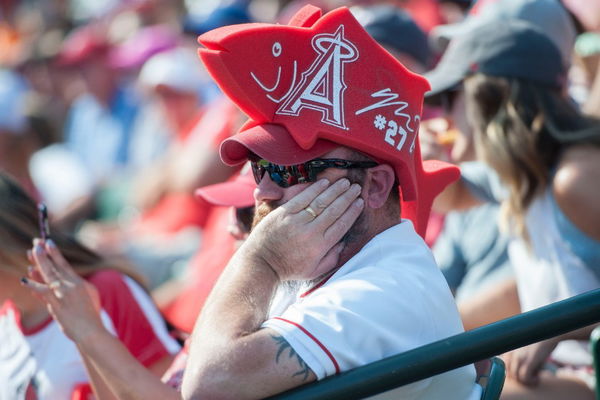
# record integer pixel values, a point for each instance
(322, 82)
(81, 44)
(237, 192)
(271, 142)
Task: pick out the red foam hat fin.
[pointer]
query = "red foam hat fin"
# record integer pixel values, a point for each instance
(433, 179)
(306, 16)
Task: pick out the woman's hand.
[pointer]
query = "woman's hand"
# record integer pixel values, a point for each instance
(525, 364)
(300, 240)
(73, 302)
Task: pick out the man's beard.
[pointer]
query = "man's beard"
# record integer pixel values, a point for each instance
(261, 211)
(354, 234)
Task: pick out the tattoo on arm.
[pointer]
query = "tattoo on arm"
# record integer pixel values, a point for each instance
(285, 346)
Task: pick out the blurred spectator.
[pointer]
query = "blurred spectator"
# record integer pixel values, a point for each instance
(17, 141)
(37, 360)
(100, 119)
(97, 132)
(395, 30)
(546, 155)
(470, 250)
(549, 15)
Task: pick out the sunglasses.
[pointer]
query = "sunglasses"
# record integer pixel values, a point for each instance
(286, 176)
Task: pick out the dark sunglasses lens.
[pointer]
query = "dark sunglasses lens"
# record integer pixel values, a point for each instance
(280, 175)
(283, 176)
(257, 171)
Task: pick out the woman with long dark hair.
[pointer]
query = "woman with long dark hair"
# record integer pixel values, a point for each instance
(35, 356)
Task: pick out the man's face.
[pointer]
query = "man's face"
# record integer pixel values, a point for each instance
(268, 195)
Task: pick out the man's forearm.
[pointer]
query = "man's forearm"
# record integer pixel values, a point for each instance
(238, 305)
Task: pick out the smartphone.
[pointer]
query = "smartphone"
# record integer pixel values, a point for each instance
(43, 221)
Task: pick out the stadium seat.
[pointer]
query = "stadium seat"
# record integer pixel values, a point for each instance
(490, 375)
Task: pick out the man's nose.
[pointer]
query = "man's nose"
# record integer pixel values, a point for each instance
(267, 190)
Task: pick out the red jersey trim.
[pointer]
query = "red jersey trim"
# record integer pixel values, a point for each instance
(35, 329)
(10, 305)
(321, 345)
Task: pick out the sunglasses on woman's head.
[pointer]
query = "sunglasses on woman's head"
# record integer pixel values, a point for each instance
(286, 176)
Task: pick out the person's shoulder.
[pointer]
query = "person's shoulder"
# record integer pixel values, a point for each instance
(105, 277)
(576, 189)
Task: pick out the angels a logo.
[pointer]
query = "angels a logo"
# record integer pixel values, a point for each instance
(322, 86)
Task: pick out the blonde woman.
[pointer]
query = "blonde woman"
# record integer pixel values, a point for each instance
(36, 357)
(546, 155)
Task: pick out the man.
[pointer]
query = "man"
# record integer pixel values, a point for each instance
(330, 278)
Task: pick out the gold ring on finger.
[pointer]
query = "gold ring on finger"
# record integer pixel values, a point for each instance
(311, 212)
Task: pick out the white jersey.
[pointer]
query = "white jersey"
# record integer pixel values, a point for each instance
(42, 363)
(389, 298)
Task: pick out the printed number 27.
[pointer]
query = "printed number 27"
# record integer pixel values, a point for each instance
(392, 131)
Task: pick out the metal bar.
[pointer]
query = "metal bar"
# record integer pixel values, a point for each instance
(456, 351)
(595, 345)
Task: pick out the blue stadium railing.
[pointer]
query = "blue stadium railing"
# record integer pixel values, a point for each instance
(456, 351)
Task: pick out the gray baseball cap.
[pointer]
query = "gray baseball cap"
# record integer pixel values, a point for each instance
(512, 49)
(550, 16)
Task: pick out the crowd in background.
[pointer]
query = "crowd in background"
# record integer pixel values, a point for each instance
(108, 116)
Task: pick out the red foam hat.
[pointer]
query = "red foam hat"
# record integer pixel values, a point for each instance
(321, 82)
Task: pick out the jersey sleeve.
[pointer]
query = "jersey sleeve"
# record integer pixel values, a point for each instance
(136, 320)
(350, 323)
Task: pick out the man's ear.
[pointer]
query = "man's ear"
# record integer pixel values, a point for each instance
(380, 182)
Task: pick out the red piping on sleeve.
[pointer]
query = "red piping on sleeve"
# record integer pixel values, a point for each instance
(310, 335)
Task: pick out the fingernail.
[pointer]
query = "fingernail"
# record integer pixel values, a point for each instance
(359, 202)
(323, 182)
(24, 281)
(37, 249)
(29, 255)
(356, 187)
(50, 243)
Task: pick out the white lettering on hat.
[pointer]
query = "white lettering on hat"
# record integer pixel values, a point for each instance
(381, 122)
(322, 85)
(276, 85)
(389, 96)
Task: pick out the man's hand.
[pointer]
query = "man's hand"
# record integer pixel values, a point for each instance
(298, 245)
(525, 364)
